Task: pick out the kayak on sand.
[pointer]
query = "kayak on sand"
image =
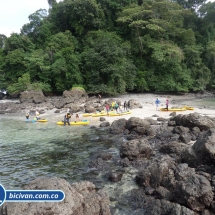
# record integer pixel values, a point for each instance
(120, 114)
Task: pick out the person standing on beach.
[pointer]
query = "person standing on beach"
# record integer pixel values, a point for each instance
(167, 104)
(99, 96)
(107, 107)
(157, 102)
(125, 106)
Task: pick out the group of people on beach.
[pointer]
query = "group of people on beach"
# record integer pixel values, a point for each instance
(157, 103)
(115, 106)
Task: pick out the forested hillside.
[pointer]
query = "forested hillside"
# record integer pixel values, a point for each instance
(113, 46)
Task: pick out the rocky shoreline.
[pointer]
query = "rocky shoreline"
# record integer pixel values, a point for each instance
(172, 161)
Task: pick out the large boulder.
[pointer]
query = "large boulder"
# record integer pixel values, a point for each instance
(138, 125)
(194, 120)
(134, 149)
(155, 172)
(202, 151)
(32, 97)
(80, 198)
(132, 104)
(192, 189)
(118, 126)
(77, 96)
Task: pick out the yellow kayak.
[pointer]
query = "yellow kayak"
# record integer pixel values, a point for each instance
(90, 114)
(99, 114)
(173, 109)
(188, 108)
(85, 122)
(87, 114)
(120, 114)
(40, 120)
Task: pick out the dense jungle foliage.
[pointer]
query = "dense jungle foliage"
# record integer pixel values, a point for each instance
(113, 46)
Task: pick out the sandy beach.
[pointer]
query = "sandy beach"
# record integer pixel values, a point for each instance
(149, 109)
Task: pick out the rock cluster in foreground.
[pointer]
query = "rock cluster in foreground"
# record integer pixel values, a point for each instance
(80, 199)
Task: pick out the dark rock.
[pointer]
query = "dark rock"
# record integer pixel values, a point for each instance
(149, 190)
(104, 124)
(192, 189)
(171, 123)
(162, 193)
(80, 198)
(57, 111)
(134, 149)
(185, 138)
(105, 156)
(194, 120)
(155, 172)
(102, 119)
(161, 119)
(180, 129)
(161, 207)
(172, 114)
(118, 126)
(126, 132)
(125, 162)
(173, 148)
(115, 176)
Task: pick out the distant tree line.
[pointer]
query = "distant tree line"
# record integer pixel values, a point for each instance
(113, 46)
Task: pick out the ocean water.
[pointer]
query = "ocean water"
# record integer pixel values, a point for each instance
(30, 150)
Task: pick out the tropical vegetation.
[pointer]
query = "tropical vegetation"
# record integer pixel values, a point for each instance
(113, 46)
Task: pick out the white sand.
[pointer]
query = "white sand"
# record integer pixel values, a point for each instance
(148, 110)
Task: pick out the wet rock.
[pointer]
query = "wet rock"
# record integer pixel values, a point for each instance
(161, 119)
(155, 115)
(126, 132)
(153, 174)
(185, 138)
(98, 163)
(134, 149)
(118, 126)
(173, 148)
(171, 123)
(115, 176)
(102, 119)
(149, 190)
(151, 121)
(104, 124)
(80, 198)
(125, 162)
(180, 129)
(163, 193)
(172, 114)
(161, 207)
(194, 120)
(105, 156)
(192, 189)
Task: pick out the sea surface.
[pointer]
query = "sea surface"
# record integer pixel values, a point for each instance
(30, 150)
